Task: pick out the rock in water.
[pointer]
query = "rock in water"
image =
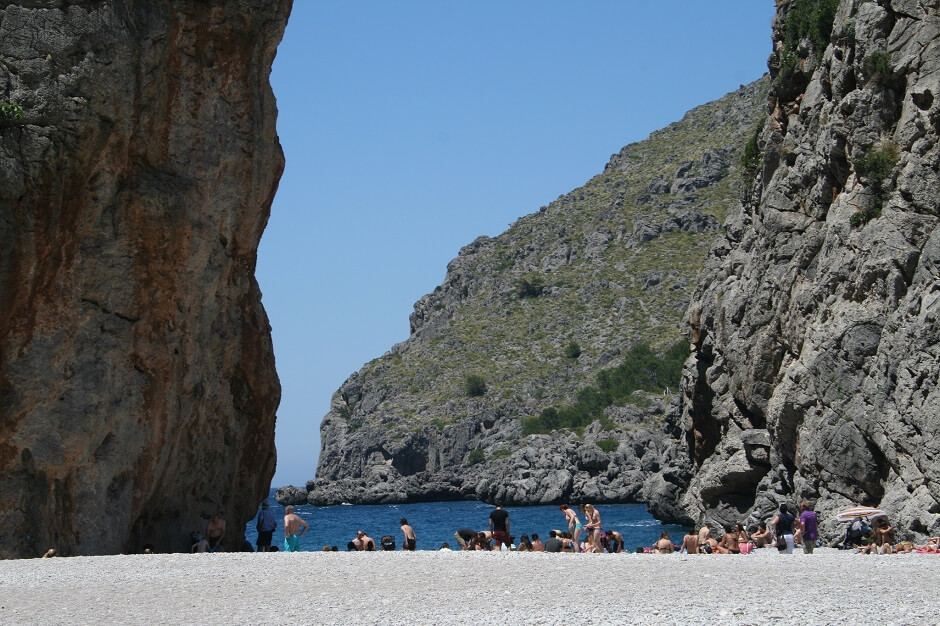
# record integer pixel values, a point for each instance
(817, 332)
(137, 381)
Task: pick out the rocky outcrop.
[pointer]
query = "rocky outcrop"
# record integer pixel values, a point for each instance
(137, 381)
(817, 330)
(533, 316)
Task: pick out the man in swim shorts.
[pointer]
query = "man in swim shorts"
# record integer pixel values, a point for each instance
(410, 540)
(294, 527)
(499, 526)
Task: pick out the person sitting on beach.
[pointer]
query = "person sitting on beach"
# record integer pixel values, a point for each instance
(855, 533)
(884, 534)
(574, 522)
(49, 554)
(663, 545)
(730, 543)
(411, 541)
(537, 545)
(200, 545)
(762, 536)
(553, 543)
(464, 536)
(703, 534)
(445, 547)
(364, 543)
(480, 542)
(525, 544)
(567, 543)
(215, 530)
(294, 527)
(616, 541)
(690, 542)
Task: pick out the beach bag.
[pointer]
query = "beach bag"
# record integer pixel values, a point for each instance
(781, 543)
(387, 542)
(746, 548)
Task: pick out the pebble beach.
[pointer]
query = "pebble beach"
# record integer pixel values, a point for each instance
(829, 587)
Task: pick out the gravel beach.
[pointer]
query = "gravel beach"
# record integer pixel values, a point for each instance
(472, 588)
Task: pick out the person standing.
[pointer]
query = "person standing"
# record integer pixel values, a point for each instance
(810, 524)
(294, 528)
(783, 527)
(592, 524)
(499, 526)
(410, 540)
(574, 524)
(265, 527)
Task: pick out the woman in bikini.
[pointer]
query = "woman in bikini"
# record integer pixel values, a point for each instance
(593, 526)
(574, 524)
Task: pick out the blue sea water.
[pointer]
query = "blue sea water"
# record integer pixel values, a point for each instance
(435, 522)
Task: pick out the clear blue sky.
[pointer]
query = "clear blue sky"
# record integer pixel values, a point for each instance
(412, 127)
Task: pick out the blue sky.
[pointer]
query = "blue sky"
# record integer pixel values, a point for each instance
(411, 127)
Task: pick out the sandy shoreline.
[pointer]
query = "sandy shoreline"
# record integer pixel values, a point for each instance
(472, 588)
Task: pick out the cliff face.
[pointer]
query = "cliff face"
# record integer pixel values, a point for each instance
(531, 317)
(137, 381)
(816, 334)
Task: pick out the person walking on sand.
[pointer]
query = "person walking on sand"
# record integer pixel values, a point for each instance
(499, 526)
(265, 527)
(215, 530)
(574, 524)
(294, 528)
(810, 524)
(411, 541)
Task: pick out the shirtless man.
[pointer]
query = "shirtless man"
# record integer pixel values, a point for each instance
(664, 545)
(690, 542)
(537, 545)
(410, 540)
(762, 537)
(616, 541)
(215, 530)
(364, 542)
(294, 527)
(703, 535)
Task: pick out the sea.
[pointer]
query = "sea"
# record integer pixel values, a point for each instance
(436, 522)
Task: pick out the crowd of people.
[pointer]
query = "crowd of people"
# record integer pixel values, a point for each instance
(583, 532)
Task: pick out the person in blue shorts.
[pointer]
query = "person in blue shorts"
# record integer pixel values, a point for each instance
(294, 527)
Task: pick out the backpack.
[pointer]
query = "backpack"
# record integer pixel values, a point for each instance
(387, 542)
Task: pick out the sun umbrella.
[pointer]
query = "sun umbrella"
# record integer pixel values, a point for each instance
(859, 511)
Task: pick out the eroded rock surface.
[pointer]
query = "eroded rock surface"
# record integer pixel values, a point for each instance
(816, 335)
(137, 381)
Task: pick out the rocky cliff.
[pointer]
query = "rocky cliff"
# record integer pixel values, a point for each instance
(138, 161)
(816, 334)
(487, 397)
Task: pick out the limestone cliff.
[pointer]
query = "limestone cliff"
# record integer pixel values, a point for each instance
(526, 322)
(816, 333)
(138, 161)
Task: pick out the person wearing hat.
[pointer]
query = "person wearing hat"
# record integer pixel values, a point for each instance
(266, 525)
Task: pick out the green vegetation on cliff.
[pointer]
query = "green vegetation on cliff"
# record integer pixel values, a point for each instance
(554, 309)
